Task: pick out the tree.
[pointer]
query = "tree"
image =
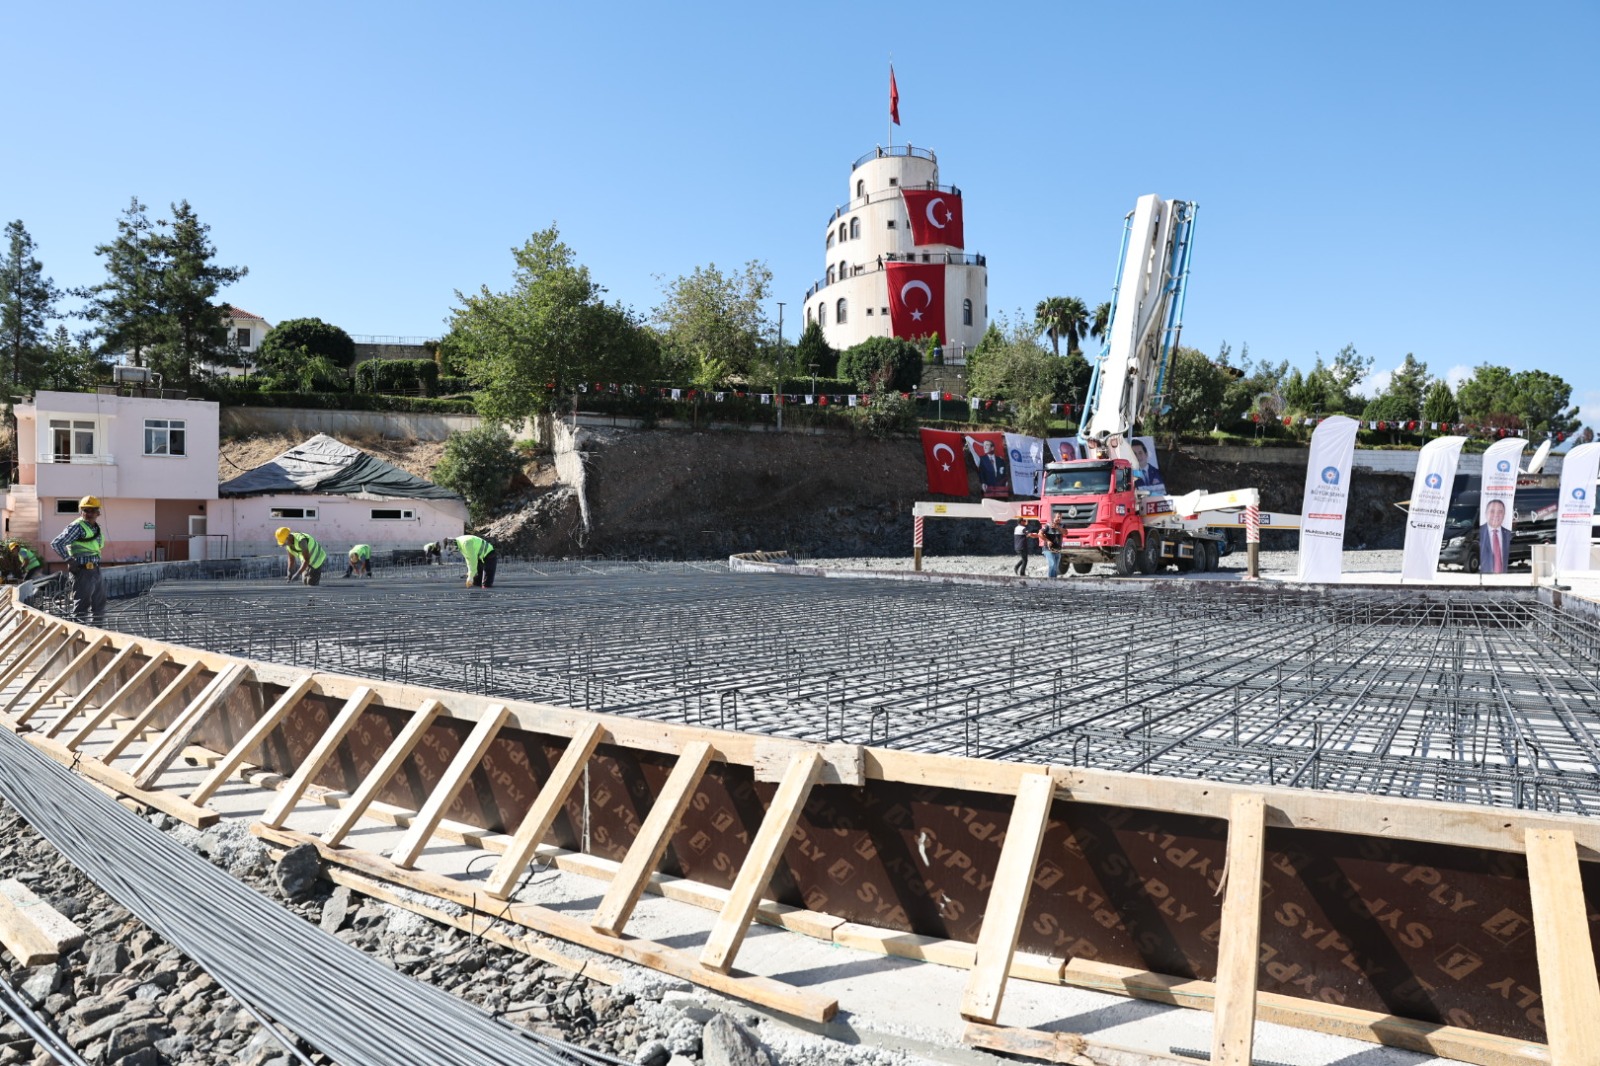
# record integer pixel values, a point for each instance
(27, 304)
(192, 328)
(69, 363)
(1349, 369)
(1195, 390)
(479, 464)
(1062, 316)
(1100, 328)
(1439, 405)
(291, 348)
(712, 324)
(1013, 367)
(813, 349)
(902, 359)
(1535, 400)
(1401, 399)
(124, 306)
(529, 346)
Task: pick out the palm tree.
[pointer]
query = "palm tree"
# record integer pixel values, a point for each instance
(1102, 321)
(1062, 316)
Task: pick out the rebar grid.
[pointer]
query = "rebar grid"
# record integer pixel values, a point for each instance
(1479, 698)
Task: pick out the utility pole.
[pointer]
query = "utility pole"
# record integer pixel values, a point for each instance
(779, 363)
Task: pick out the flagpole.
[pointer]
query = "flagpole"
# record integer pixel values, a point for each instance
(891, 110)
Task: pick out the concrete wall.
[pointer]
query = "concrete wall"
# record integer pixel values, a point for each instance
(392, 351)
(304, 421)
(1374, 459)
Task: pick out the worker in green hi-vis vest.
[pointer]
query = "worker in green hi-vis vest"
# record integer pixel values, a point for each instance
(359, 562)
(480, 557)
(306, 557)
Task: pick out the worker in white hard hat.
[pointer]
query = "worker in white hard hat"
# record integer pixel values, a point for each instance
(80, 544)
(306, 557)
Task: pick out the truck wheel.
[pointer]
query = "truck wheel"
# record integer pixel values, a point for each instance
(1202, 561)
(1473, 563)
(1150, 559)
(1213, 555)
(1082, 568)
(1128, 556)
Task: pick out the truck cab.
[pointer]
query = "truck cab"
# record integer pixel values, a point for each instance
(1097, 508)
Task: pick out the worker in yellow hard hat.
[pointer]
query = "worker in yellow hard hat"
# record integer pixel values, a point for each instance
(19, 561)
(80, 544)
(306, 557)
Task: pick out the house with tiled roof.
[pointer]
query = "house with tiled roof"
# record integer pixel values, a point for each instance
(245, 329)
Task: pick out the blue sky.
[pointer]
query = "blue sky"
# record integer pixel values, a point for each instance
(1405, 177)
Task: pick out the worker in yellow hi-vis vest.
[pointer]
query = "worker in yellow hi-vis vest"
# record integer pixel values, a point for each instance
(306, 557)
(80, 545)
(480, 557)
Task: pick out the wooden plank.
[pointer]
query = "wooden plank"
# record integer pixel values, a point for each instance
(54, 684)
(1233, 1030)
(81, 700)
(1008, 898)
(1428, 1038)
(122, 783)
(253, 737)
(166, 747)
(763, 991)
(143, 720)
(28, 641)
(18, 636)
(31, 652)
(323, 750)
(393, 758)
(546, 805)
(33, 931)
(110, 706)
(449, 786)
(658, 827)
(1073, 1049)
(842, 764)
(762, 859)
(1567, 982)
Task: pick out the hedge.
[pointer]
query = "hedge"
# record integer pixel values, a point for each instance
(398, 375)
(360, 401)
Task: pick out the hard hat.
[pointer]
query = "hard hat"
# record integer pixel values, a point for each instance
(282, 534)
(12, 545)
(88, 502)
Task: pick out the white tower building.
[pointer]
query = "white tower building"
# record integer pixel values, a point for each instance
(896, 263)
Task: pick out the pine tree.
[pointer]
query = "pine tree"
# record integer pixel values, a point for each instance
(27, 303)
(192, 326)
(123, 308)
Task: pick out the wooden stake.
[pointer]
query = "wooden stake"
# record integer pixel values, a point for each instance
(461, 767)
(320, 754)
(253, 738)
(398, 752)
(15, 669)
(546, 805)
(60, 679)
(166, 747)
(109, 707)
(148, 715)
(1008, 898)
(1567, 982)
(1233, 1028)
(81, 700)
(765, 851)
(658, 827)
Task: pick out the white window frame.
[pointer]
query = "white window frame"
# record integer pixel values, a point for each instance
(75, 426)
(300, 514)
(400, 514)
(166, 426)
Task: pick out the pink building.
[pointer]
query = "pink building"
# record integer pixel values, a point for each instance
(152, 462)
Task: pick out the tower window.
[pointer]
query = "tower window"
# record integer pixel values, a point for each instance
(894, 181)
(839, 312)
(830, 236)
(891, 223)
(844, 271)
(830, 275)
(966, 312)
(822, 314)
(841, 231)
(861, 188)
(855, 228)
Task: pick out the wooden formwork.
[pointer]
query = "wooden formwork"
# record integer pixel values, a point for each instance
(1459, 931)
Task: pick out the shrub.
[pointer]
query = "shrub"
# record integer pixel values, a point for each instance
(398, 375)
(479, 464)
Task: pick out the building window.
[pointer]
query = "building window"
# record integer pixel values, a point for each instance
(71, 440)
(844, 271)
(808, 316)
(242, 336)
(841, 231)
(855, 228)
(926, 258)
(830, 275)
(891, 223)
(966, 312)
(164, 436)
(894, 181)
(67, 507)
(303, 514)
(869, 312)
(393, 514)
(885, 310)
(822, 314)
(861, 188)
(839, 310)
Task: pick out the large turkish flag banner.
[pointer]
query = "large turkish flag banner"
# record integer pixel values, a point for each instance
(947, 467)
(935, 217)
(916, 299)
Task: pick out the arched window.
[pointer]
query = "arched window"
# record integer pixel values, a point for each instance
(839, 312)
(861, 188)
(844, 270)
(830, 237)
(808, 316)
(855, 228)
(830, 275)
(966, 312)
(841, 231)
(822, 314)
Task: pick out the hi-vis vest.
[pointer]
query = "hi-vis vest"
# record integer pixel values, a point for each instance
(88, 543)
(305, 544)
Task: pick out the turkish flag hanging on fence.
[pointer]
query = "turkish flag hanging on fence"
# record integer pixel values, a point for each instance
(894, 98)
(916, 299)
(935, 217)
(947, 467)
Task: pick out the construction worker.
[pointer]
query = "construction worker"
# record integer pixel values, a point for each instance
(480, 558)
(306, 557)
(359, 561)
(432, 553)
(19, 561)
(80, 545)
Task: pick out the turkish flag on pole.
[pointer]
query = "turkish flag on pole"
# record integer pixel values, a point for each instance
(916, 299)
(935, 217)
(947, 468)
(894, 97)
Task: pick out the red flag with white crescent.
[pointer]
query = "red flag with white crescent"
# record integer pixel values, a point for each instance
(935, 217)
(947, 468)
(894, 98)
(916, 299)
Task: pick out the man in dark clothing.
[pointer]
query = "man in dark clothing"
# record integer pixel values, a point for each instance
(1019, 543)
(80, 545)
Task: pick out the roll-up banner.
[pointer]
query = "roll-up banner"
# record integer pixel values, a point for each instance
(1430, 500)
(1496, 498)
(1575, 516)
(1333, 449)
(1027, 463)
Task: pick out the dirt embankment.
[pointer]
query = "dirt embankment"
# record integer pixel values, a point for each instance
(662, 494)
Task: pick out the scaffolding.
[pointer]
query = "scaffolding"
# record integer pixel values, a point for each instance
(1475, 697)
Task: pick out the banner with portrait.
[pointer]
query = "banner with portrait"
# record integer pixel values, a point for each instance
(1327, 495)
(1061, 449)
(1026, 455)
(987, 453)
(1575, 516)
(1496, 504)
(1146, 469)
(1430, 502)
